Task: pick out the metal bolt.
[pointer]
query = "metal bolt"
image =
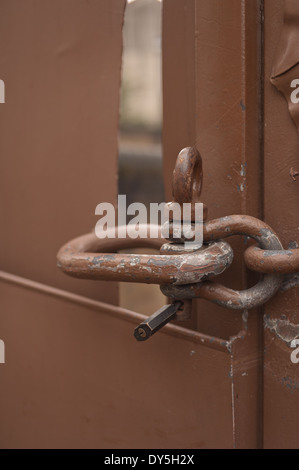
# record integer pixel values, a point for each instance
(142, 332)
(153, 324)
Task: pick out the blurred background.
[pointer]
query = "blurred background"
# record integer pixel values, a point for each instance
(140, 130)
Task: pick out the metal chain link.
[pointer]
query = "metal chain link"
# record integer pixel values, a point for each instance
(268, 257)
(184, 275)
(221, 295)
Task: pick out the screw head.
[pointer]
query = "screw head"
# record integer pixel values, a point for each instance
(141, 332)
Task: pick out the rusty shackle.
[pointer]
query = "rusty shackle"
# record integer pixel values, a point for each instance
(185, 274)
(89, 257)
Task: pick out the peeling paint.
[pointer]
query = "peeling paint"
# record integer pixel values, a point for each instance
(291, 384)
(283, 329)
(268, 254)
(290, 281)
(286, 64)
(239, 173)
(243, 107)
(243, 171)
(293, 245)
(245, 316)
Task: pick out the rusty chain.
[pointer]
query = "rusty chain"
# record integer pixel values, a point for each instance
(268, 257)
(217, 293)
(184, 275)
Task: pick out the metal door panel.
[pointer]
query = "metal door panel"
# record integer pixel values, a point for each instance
(281, 376)
(61, 64)
(223, 68)
(75, 377)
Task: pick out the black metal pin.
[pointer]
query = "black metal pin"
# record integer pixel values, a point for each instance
(149, 327)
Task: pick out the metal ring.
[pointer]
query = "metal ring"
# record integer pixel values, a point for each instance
(271, 261)
(221, 295)
(187, 176)
(86, 257)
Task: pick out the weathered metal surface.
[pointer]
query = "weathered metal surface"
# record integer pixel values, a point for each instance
(213, 79)
(83, 258)
(242, 225)
(283, 329)
(225, 297)
(218, 403)
(187, 176)
(272, 261)
(285, 71)
(281, 202)
(187, 180)
(185, 313)
(239, 300)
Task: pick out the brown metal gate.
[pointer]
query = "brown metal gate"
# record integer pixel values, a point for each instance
(74, 375)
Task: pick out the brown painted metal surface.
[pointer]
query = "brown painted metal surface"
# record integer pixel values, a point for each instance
(260, 149)
(61, 65)
(179, 94)
(226, 78)
(281, 397)
(285, 67)
(70, 378)
(82, 389)
(221, 115)
(267, 261)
